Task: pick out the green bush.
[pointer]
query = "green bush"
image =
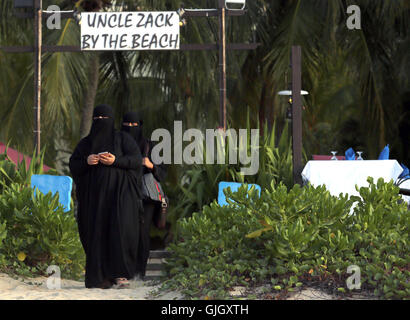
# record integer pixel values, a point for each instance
(35, 233)
(3, 235)
(199, 187)
(10, 172)
(290, 238)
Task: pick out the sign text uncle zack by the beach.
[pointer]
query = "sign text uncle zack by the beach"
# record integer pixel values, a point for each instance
(130, 31)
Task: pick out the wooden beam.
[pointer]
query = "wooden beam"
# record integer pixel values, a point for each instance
(297, 114)
(37, 73)
(183, 47)
(222, 64)
(198, 46)
(242, 46)
(17, 49)
(189, 14)
(214, 13)
(45, 15)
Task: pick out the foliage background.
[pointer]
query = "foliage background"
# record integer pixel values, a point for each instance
(358, 80)
(35, 232)
(285, 239)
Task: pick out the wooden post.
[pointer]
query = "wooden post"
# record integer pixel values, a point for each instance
(222, 64)
(37, 73)
(297, 114)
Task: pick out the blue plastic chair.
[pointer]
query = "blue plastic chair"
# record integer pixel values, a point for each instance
(405, 174)
(61, 184)
(384, 155)
(350, 154)
(403, 177)
(234, 187)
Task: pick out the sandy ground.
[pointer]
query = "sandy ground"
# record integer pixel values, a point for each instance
(36, 289)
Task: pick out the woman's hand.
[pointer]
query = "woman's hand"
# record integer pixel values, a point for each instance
(147, 163)
(92, 159)
(107, 159)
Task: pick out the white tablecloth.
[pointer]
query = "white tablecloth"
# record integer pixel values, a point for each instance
(341, 176)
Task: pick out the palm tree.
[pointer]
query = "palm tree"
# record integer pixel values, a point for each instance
(91, 89)
(354, 74)
(355, 78)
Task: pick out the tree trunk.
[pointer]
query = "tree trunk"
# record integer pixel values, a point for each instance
(90, 94)
(266, 114)
(270, 105)
(262, 109)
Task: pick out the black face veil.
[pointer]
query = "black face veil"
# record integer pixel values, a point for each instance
(135, 132)
(102, 130)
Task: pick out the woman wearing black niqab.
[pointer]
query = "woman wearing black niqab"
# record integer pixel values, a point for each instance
(132, 124)
(109, 201)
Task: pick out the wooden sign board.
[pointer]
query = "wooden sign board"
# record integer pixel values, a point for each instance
(130, 31)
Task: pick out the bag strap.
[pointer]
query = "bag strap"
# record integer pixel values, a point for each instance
(159, 192)
(146, 149)
(162, 197)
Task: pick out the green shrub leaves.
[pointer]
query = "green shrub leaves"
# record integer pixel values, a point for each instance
(38, 229)
(35, 232)
(289, 238)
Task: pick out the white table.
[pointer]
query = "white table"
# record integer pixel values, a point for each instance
(343, 175)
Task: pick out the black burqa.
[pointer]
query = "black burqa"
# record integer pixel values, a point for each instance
(151, 208)
(109, 201)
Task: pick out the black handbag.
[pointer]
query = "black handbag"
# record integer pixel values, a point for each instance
(152, 190)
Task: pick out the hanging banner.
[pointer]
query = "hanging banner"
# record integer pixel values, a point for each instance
(130, 31)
